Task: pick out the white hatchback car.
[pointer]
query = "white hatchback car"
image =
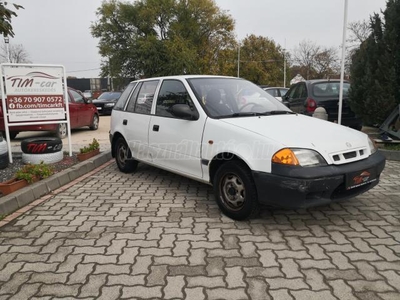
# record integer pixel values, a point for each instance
(230, 133)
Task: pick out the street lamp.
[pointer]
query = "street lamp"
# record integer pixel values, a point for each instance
(7, 42)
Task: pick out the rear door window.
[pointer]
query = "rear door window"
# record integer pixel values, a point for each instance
(145, 97)
(120, 105)
(294, 93)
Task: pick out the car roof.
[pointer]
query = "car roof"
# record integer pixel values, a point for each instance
(185, 77)
(324, 80)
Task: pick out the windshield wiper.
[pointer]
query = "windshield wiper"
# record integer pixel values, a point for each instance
(279, 112)
(246, 114)
(266, 113)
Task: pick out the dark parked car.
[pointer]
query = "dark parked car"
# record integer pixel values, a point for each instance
(304, 97)
(81, 111)
(106, 101)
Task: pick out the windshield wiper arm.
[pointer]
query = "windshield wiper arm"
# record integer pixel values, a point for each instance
(246, 114)
(280, 112)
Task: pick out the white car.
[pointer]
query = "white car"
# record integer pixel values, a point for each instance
(253, 150)
(277, 92)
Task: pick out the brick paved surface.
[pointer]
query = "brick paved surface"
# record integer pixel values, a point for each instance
(155, 235)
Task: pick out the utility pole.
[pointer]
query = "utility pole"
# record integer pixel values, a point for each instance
(238, 62)
(342, 67)
(284, 65)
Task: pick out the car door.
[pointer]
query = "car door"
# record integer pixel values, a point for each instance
(73, 110)
(175, 143)
(297, 97)
(82, 112)
(136, 120)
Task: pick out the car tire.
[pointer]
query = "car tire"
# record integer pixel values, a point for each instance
(235, 191)
(47, 158)
(95, 123)
(4, 160)
(3, 154)
(3, 147)
(41, 145)
(62, 130)
(13, 134)
(123, 157)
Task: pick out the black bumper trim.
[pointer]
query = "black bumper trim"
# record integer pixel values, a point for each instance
(299, 187)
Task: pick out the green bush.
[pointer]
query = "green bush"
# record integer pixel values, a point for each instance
(30, 171)
(94, 145)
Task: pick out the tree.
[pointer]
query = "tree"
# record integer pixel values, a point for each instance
(162, 37)
(5, 18)
(375, 69)
(261, 61)
(315, 61)
(359, 31)
(16, 54)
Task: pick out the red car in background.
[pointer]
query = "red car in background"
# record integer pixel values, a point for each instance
(82, 113)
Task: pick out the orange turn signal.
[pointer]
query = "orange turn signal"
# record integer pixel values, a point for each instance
(286, 157)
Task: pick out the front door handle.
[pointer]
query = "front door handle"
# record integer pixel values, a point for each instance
(124, 122)
(156, 127)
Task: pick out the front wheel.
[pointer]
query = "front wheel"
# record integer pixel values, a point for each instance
(235, 191)
(123, 157)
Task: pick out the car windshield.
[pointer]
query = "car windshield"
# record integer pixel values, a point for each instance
(109, 96)
(330, 89)
(234, 97)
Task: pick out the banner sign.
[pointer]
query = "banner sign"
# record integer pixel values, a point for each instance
(34, 93)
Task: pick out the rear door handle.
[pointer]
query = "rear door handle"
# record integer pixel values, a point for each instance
(124, 122)
(156, 127)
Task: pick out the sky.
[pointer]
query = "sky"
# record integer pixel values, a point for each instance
(58, 31)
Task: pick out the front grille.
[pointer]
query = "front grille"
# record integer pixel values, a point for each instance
(350, 156)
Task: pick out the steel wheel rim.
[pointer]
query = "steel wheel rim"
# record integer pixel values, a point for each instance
(62, 129)
(233, 192)
(95, 121)
(122, 154)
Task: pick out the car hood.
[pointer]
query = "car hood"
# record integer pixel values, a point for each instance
(303, 132)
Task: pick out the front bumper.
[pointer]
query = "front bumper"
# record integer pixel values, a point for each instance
(302, 187)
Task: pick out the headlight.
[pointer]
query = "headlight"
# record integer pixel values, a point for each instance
(372, 146)
(109, 104)
(298, 157)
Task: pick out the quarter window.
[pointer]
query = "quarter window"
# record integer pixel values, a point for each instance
(172, 92)
(145, 97)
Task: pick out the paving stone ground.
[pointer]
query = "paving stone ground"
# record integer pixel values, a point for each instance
(155, 235)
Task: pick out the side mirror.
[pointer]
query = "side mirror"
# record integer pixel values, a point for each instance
(88, 101)
(184, 111)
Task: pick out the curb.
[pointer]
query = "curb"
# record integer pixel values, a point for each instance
(391, 154)
(30, 193)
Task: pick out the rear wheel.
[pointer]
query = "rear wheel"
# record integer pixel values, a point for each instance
(13, 134)
(95, 123)
(235, 191)
(61, 130)
(123, 157)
